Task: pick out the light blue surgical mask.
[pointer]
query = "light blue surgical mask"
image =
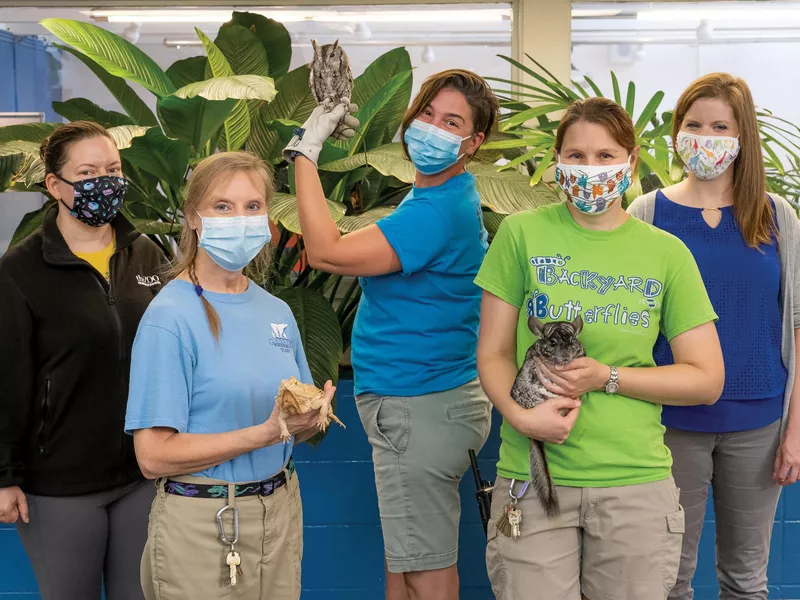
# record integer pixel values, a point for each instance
(232, 242)
(432, 150)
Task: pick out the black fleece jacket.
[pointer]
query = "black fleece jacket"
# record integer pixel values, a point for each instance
(65, 345)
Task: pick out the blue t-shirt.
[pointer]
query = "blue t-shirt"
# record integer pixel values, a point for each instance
(416, 331)
(743, 284)
(182, 379)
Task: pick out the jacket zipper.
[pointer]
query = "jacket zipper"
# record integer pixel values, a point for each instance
(45, 414)
(120, 349)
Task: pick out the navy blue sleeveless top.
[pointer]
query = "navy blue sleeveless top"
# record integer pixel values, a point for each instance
(744, 287)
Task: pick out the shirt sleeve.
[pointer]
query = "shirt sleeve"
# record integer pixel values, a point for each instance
(161, 381)
(17, 379)
(686, 304)
(300, 357)
(503, 271)
(418, 232)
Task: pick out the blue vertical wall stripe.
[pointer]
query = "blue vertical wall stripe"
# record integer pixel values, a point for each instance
(31, 76)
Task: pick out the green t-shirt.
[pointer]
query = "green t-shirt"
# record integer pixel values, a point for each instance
(627, 284)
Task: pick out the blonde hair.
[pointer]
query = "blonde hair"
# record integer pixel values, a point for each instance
(751, 207)
(210, 173)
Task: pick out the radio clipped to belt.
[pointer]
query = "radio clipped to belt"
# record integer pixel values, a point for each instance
(233, 560)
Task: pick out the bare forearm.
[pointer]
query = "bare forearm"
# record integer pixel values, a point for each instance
(319, 229)
(182, 453)
(673, 385)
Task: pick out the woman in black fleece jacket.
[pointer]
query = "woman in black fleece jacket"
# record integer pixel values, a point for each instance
(71, 296)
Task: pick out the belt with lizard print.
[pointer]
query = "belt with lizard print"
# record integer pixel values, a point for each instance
(256, 488)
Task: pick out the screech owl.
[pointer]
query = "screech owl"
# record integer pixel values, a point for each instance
(330, 77)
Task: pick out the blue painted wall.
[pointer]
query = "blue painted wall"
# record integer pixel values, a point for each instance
(343, 548)
(31, 79)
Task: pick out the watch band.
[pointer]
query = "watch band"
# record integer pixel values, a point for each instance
(612, 385)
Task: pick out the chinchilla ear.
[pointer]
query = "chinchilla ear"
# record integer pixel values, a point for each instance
(577, 324)
(535, 325)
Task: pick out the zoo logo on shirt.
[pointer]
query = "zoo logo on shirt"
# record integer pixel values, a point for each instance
(279, 337)
(553, 270)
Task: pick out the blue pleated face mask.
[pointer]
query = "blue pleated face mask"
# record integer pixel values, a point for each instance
(232, 242)
(432, 150)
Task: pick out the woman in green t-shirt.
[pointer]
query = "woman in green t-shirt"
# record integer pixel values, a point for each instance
(620, 527)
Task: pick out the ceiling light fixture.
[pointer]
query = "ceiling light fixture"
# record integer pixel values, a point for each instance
(718, 14)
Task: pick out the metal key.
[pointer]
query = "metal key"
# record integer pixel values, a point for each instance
(515, 520)
(233, 561)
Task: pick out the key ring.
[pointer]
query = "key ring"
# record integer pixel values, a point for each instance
(221, 526)
(522, 491)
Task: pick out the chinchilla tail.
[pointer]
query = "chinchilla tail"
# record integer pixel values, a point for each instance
(542, 483)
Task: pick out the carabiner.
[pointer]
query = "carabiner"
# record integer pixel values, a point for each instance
(523, 489)
(221, 526)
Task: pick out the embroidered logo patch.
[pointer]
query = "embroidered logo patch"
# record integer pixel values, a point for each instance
(279, 337)
(148, 280)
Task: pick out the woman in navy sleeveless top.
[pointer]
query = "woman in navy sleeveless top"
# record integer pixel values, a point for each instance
(747, 445)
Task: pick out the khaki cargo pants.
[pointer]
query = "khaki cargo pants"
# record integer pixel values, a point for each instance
(617, 543)
(184, 558)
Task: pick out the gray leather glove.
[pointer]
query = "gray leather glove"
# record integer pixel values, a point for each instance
(326, 121)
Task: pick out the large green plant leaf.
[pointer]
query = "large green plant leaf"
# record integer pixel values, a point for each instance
(273, 36)
(129, 100)
(81, 109)
(28, 132)
(188, 70)
(237, 126)
(352, 223)
(164, 158)
(237, 87)
(320, 333)
(124, 135)
(193, 120)
(9, 165)
(294, 103)
(18, 147)
(112, 52)
(387, 159)
(30, 223)
(283, 210)
(243, 50)
(508, 192)
(368, 84)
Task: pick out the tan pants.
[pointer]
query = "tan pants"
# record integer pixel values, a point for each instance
(184, 558)
(618, 543)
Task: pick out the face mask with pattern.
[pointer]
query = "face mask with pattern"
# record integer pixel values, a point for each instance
(593, 189)
(707, 156)
(97, 200)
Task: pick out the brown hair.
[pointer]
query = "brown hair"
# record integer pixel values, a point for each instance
(600, 111)
(478, 93)
(751, 207)
(210, 173)
(55, 148)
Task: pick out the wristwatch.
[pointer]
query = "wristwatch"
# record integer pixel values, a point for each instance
(612, 385)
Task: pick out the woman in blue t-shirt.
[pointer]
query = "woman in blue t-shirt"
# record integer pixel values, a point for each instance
(207, 361)
(746, 243)
(416, 329)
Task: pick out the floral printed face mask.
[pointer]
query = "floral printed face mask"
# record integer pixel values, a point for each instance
(594, 189)
(707, 156)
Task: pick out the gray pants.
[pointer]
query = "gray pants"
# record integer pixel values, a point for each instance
(78, 543)
(739, 468)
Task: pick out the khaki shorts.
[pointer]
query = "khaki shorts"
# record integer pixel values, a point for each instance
(185, 559)
(420, 451)
(617, 543)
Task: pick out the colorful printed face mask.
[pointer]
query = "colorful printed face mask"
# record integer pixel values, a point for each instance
(707, 156)
(98, 199)
(232, 242)
(432, 150)
(594, 189)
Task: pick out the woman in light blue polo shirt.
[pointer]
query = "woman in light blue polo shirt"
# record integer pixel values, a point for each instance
(207, 361)
(416, 330)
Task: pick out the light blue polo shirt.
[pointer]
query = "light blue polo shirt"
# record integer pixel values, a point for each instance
(182, 379)
(416, 331)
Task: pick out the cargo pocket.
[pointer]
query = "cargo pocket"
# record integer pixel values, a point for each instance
(393, 423)
(495, 566)
(468, 409)
(671, 548)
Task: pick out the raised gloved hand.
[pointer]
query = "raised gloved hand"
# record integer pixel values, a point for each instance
(337, 122)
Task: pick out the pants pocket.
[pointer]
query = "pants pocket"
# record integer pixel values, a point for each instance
(671, 548)
(393, 423)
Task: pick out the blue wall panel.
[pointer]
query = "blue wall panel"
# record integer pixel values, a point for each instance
(31, 78)
(343, 546)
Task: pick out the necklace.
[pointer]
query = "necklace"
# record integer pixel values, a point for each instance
(712, 208)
